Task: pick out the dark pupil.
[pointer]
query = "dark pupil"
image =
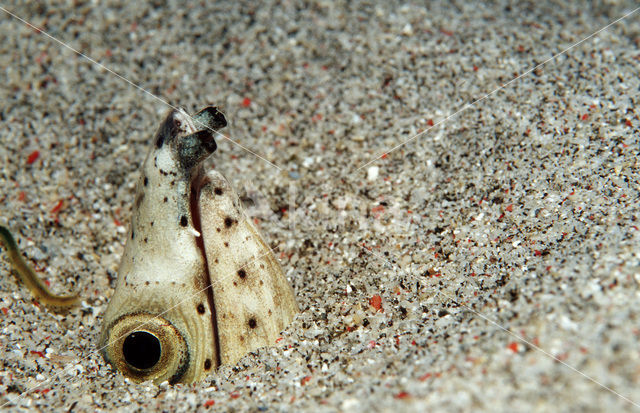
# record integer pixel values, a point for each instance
(141, 350)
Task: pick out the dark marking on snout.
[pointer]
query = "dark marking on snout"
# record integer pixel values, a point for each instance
(194, 148)
(210, 117)
(207, 140)
(167, 130)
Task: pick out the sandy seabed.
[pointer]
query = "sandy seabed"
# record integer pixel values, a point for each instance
(491, 263)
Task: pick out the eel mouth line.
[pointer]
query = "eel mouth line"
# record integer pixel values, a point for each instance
(191, 158)
(197, 184)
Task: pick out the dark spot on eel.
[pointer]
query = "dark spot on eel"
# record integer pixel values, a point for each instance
(226, 244)
(218, 191)
(253, 323)
(242, 274)
(165, 199)
(228, 221)
(184, 221)
(146, 181)
(207, 364)
(200, 308)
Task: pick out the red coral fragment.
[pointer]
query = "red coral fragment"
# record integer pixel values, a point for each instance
(424, 377)
(57, 207)
(209, 403)
(377, 211)
(376, 302)
(33, 156)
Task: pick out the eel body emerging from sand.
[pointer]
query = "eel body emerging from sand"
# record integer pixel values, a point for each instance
(28, 277)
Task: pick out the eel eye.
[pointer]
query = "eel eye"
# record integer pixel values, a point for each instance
(141, 350)
(145, 347)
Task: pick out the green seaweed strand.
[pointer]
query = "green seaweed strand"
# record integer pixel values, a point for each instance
(29, 278)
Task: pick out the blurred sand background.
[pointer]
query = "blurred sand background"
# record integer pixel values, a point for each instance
(490, 264)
